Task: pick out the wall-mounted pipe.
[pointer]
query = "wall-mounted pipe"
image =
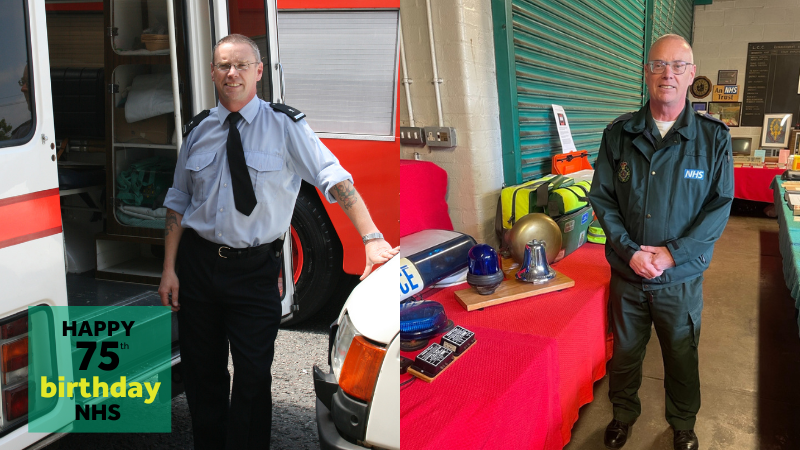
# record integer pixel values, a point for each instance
(406, 80)
(436, 79)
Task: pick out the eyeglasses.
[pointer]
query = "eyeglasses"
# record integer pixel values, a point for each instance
(678, 67)
(240, 67)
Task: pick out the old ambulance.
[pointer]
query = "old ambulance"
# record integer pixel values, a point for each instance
(93, 96)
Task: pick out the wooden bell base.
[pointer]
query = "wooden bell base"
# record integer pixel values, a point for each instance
(511, 289)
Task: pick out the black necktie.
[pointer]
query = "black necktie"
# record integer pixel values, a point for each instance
(243, 195)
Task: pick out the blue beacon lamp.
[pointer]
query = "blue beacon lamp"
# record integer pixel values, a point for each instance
(484, 269)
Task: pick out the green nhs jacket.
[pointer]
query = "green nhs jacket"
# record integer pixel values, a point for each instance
(674, 192)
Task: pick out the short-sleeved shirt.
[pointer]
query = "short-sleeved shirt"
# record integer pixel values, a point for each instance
(279, 154)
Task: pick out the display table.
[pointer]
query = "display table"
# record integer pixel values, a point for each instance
(789, 242)
(523, 347)
(751, 183)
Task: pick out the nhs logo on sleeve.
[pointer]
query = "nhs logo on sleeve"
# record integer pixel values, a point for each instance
(694, 174)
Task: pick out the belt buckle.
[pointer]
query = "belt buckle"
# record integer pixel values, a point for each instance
(219, 252)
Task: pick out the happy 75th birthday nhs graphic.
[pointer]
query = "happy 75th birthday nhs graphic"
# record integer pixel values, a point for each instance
(99, 369)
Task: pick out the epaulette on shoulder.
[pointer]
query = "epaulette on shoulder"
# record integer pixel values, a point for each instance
(621, 118)
(187, 128)
(713, 119)
(293, 113)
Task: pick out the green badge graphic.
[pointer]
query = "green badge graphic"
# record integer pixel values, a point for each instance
(99, 369)
(624, 172)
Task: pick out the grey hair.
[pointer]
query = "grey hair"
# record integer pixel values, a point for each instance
(237, 39)
(674, 37)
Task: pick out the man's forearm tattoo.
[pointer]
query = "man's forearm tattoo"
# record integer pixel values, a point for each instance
(345, 194)
(172, 219)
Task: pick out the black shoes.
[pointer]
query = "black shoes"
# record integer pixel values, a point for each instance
(617, 435)
(684, 440)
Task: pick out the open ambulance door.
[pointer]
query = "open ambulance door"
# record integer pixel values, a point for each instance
(32, 268)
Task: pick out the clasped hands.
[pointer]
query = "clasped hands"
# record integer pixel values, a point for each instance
(650, 262)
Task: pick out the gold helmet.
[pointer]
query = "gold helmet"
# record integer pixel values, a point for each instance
(534, 226)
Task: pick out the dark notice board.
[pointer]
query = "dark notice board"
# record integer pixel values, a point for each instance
(771, 81)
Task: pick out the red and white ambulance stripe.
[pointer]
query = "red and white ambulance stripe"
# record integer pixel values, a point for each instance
(28, 217)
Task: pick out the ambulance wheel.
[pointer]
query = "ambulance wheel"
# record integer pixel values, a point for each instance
(316, 255)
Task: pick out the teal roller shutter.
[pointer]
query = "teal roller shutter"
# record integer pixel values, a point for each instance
(673, 16)
(583, 55)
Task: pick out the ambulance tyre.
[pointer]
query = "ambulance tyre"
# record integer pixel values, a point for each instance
(318, 250)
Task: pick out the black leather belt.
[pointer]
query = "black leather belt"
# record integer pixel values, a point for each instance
(223, 251)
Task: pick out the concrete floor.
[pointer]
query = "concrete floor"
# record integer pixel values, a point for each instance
(749, 356)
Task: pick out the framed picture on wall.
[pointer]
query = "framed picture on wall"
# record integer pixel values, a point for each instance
(727, 76)
(728, 112)
(794, 143)
(700, 106)
(775, 132)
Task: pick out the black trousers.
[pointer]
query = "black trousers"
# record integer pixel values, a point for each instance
(675, 312)
(236, 301)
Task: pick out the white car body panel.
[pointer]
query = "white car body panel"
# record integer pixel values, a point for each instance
(383, 424)
(372, 305)
(33, 272)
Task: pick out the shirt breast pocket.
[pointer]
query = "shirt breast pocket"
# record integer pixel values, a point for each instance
(264, 169)
(202, 173)
(694, 168)
(695, 151)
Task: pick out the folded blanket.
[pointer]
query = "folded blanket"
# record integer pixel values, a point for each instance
(142, 212)
(127, 219)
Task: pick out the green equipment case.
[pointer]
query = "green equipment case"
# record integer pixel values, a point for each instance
(574, 230)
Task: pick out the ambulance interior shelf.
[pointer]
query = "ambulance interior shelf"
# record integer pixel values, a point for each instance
(131, 20)
(85, 179)
(144, 144)
(143, 107)
(140, 190)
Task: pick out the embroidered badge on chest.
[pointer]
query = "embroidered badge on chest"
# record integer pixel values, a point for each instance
(694, 174)
(624, 172)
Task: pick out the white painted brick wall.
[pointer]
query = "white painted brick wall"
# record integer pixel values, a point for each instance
(723, 29)
(465, 61)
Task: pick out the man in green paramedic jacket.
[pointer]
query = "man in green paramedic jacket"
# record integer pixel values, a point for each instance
(662, 189)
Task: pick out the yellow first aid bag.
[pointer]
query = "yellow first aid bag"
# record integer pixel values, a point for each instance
(532, 196)
(567, 200)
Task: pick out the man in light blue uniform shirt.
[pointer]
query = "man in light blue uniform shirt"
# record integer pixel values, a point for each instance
(279, 154)
(222, 248)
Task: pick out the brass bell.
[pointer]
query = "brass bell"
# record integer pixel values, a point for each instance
(535, 268)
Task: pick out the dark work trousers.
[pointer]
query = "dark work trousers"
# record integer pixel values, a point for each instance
(675, 312)
(232, 300)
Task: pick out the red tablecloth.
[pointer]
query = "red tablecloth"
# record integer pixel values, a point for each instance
(423, 187)
(574, 319)
(754, 183)
(484, 394)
